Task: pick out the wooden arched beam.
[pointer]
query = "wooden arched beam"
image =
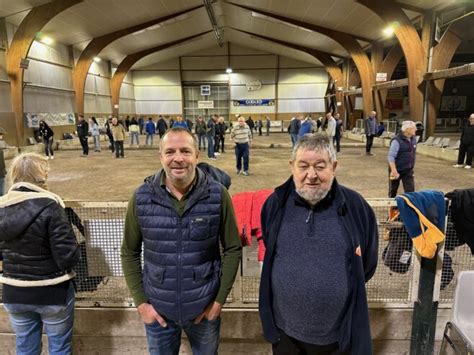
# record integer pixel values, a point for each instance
(325, 58)
(443, 53)
(392, 13)
(79, 73)
(347, 41)
(24, 36)
(129, 61)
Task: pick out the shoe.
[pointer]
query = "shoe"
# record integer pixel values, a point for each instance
(83, 155)
(245, 173)
(237, 172)
(458, 166)
(51, 157)
(370, 153)
(212, 159)
(47, 158)
(217, 153)
(467, 167)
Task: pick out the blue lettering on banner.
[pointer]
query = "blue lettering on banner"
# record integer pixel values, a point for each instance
(254, 102)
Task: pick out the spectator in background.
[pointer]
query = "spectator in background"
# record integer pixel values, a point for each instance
(83, 134)
(258, 126)
(401, 159)
(319, 123)
(108, 131)
(305, 127)
(118, 130)
(339, 131)
(95, 133)
(3, 170)
(39, 252)
(180, 123)
(268, 124)
(331, 130)
(161, 126)
(211, 133)
(141, 124)
(150, 131)
(466, 149)
(200, 130)
(221, 128)
(127, 123)
(293, 129)
(370, 126)
(250, 124)
(47, 135)
(190, 124)
(241, 135)
(134, 130)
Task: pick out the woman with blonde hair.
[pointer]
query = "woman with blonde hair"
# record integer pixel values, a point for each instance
(39, 251)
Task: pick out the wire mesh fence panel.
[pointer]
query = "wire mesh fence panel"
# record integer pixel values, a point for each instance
(100, 282)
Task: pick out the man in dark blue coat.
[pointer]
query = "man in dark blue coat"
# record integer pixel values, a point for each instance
(321, 248)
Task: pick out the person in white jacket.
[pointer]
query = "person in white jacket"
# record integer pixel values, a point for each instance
(331, 130)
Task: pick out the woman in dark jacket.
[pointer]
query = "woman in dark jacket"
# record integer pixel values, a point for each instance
(39, 250)
(466, 149)
(47, 134)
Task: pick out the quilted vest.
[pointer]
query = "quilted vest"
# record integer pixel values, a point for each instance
(182, 262)
(405, 159)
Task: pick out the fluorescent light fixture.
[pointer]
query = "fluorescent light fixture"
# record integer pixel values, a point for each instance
(228, 70)
(47, 40)
(97, 59)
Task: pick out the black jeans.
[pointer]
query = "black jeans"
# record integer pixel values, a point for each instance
(85, 144)
(337, 139)
(408, 180)
(119, 149)
(368, 143)
(465, 149)
(290, 346)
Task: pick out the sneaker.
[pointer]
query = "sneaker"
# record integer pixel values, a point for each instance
(467, 167)
(217, 153)
(52, 157)
(212, 159)
(245, 173)
(47, 158)
(458, 166)
(237, 172)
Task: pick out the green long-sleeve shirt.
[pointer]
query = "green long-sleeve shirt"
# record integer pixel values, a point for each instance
(132, 247)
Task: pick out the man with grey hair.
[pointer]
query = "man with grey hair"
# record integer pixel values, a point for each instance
(321, 248)
(401, 159)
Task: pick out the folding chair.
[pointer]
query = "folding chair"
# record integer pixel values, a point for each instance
(429, 141)
(463, 317)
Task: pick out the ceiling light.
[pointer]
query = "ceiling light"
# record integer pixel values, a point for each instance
(97, 59)
(228, 70)
(47, 40)
(388, 31)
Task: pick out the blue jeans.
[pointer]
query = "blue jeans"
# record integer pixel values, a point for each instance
(149, 139)
(27, 321)
(210, 147)
(242, 152)
(294, 139)
(204, 337)
(96, 143)
(134, 137)
(202, 139)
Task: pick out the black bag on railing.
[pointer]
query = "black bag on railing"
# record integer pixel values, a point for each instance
(397, 254)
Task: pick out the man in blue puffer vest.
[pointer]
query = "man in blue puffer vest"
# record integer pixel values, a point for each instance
(180, 215)
(401, 159)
